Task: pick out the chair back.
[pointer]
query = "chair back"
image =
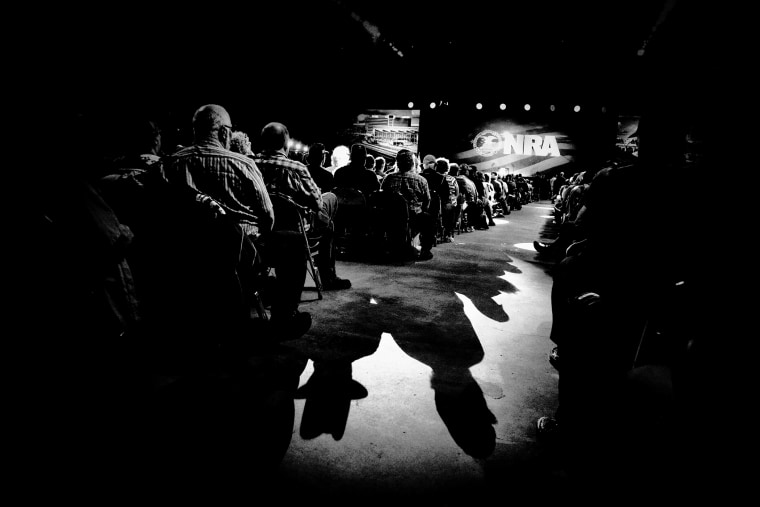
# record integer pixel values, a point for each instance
(350, 197)
(291, 216)
(288, 215)
(391, 217)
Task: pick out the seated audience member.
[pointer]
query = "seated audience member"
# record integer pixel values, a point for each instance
(353, 221)
(488, 200)
(315, 162)
(234, 180)
(369, 163)
(449, 202)
(144, 146)
(605, 298)
(571, 231)
(437, 186)
(339, 157)
(500, 194)
(436, 180)
(414, 189)
(513, 197)
(481, 219)
(380, 168)
(240, 143)
(292, 178)
(470, 203)
(355, 175)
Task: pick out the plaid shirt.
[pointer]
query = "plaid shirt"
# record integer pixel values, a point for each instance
(468, 188)
(230, 178)
(289, 177)
(412, 186)
(453, 189)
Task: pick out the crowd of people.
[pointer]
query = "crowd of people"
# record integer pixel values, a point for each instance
(148, 201)
(136, 213)
(632, 358)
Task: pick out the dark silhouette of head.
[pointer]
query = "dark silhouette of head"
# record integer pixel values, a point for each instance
(316, 154)
(358, 155)
(404, 161)
(442, 165)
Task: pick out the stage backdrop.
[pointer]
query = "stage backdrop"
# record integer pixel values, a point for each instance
(515, 144)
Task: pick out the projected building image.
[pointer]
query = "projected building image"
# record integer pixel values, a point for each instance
(386, 131)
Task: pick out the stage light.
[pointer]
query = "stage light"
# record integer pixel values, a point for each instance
(410, 105)
(577, 108)
(298, 146)
(604, 109)
(552, 108)
(502, 106)
(478, 106)
(527, 107)
(432, 105)
(290, 143)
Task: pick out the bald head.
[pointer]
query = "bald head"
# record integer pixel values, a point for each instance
(274, 137)
(209, 121)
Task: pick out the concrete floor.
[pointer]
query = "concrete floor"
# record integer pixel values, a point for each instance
(420, 384)
(425, 379)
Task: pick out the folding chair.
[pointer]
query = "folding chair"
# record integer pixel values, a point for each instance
(291, 216)
(392, 220)
(351, 224)
(435, 209)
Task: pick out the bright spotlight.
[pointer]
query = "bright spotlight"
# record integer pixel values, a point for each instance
(577, 108)
(432, 105)
(410, 105)
(552, 108)
(527, 107)
(478, 106)
(290, 143)
(502, 106)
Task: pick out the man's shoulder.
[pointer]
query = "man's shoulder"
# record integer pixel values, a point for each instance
(277, 159)
(211, 150)
(344, 169)
(322, 171)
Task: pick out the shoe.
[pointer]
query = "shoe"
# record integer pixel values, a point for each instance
(542, 248)
(491, 224)
(575, 248)
(554, 358)
(547, 427)
(425, 255)
(336, 284)
(291, 327)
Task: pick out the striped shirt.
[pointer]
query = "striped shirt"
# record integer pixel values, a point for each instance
(289, 177)
(230, 178)
(412, 186)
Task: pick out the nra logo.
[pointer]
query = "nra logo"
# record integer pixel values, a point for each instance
(488, 143)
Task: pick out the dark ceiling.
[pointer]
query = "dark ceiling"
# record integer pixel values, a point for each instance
(320, 54)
